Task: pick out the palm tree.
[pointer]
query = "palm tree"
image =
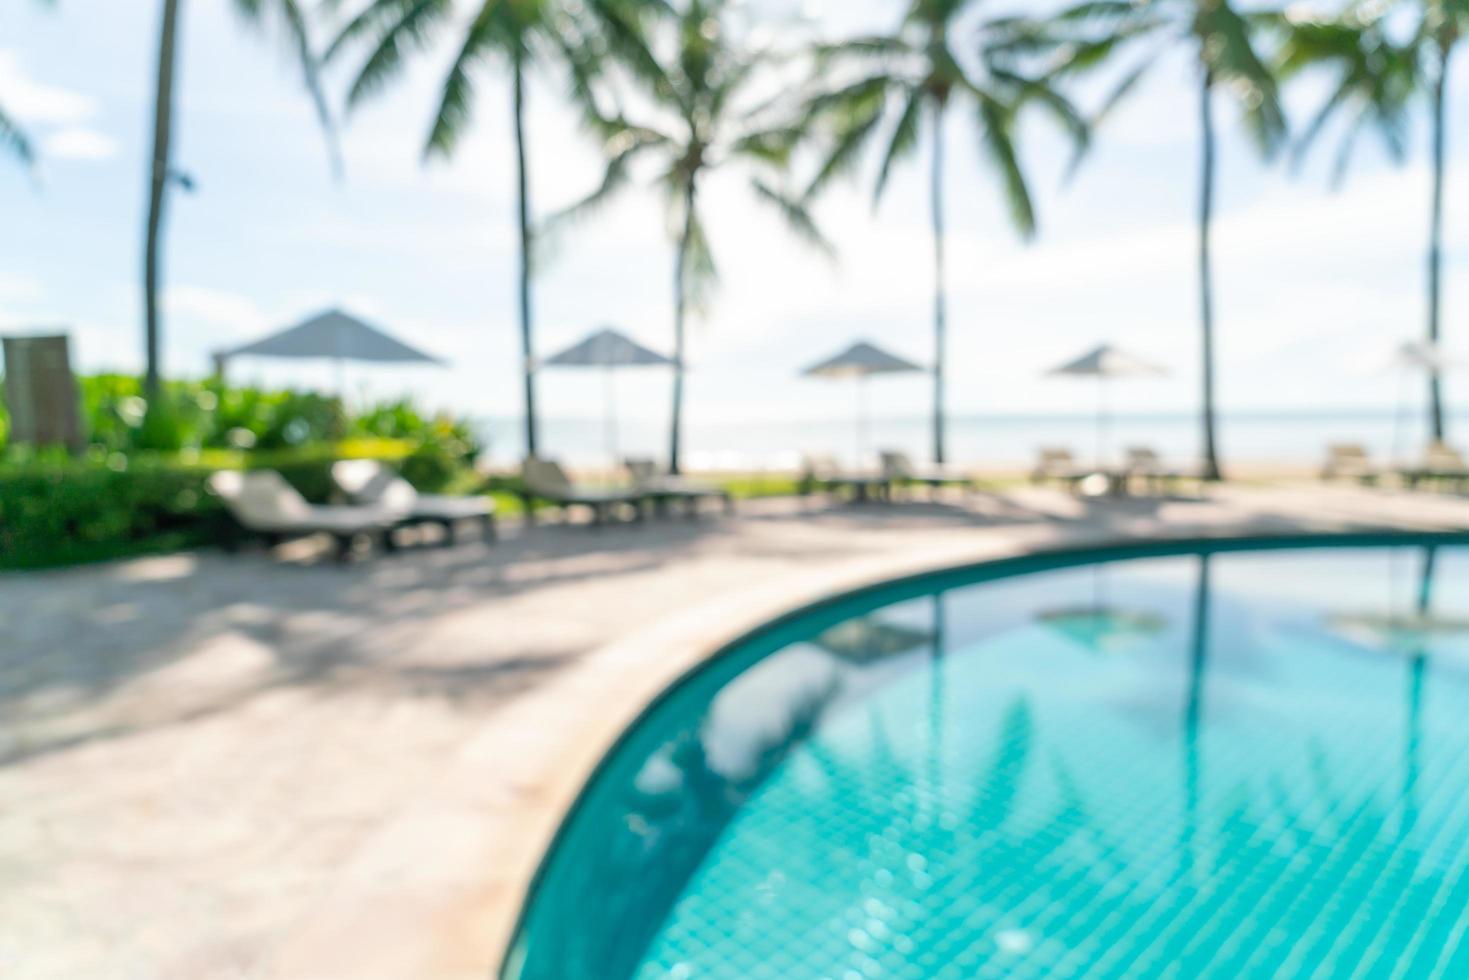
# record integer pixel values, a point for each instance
(915, 75)
(704, 117)
(518, 34)
(161, 173)
(1221, 42)
(1377, 81)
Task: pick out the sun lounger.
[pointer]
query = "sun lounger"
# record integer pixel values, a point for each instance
(822, 473)
(1056, 465)
(369, 482)
(1144, 465)
(899, 470)
(1349, 461)
(546, 480)
(663, 488)
(264, 504)
(1442, 465)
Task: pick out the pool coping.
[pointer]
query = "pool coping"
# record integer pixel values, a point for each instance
(439, 890)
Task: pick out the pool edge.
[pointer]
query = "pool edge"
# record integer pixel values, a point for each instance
(441, 889)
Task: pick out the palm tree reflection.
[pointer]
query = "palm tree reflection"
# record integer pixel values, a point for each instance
(1192, 715)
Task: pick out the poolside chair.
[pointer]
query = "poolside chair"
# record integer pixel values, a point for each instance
(1442, 464)
(1058, 465)
(369, 482)
(899, 469)
(1349, 461)
(664, 488)
(546, 480)
(1143, 464)
(821, 472)
(816, 470)
(265, 505)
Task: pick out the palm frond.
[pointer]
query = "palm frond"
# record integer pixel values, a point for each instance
(13, 140)
(997, 138)
(456, 99)
(1028, 91)
(1375, 78)
(1229, 55)
(773, 146)
(412, 28)
(622, 150)
(902, 143)
(796, 215)
(853, 115)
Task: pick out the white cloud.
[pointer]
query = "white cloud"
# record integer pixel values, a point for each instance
(32, 101)
(233, 313)
(78, 143)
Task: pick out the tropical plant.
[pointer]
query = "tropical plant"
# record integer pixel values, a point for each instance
(706, 116)
(518, 35)
(162, 175)
(913, 76)
(1377, 81)
(1222, 42)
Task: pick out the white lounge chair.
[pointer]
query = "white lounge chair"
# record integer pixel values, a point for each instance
(663, 488)
(546, 480)
(899, 469)
(1349, 461)
(1057, 464)
(1143, 464)
(264, 504)
(371, 483)
(821, 472)
(1442, 465)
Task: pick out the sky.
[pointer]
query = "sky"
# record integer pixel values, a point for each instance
(1315, 286)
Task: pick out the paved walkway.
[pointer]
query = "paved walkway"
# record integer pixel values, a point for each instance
(193, 746)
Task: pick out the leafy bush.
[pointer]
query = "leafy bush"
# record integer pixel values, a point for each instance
(57, 510)
(141, 483)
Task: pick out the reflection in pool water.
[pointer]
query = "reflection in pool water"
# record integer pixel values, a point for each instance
(1239, 764)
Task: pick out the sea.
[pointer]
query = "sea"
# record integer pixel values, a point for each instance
(999, 441)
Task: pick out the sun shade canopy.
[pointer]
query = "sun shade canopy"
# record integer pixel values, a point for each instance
(336, 335)
(607, 348)
(1107, 362)
(859, 361)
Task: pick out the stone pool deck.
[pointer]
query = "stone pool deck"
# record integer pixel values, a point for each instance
(267, 765)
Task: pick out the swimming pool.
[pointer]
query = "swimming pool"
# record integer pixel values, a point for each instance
(1188, 761)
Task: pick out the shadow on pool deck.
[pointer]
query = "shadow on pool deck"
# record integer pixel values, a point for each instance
(79, 637)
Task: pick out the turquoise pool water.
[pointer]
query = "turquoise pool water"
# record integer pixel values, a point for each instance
(1227, 763)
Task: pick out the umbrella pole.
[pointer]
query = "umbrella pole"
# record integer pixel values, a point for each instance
(1397, 421)
(1104, 423)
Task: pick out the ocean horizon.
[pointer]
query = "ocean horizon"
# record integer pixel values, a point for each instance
(1295, 437)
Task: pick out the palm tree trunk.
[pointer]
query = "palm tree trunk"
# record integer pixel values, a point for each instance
(940, 310)
(680, 303)
(527, 351)
(1435, 246)
(158, 179)
(1206, 274)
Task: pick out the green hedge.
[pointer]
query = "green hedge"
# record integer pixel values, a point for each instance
(208, 414)
(57, 511)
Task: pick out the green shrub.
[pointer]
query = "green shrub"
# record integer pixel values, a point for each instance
(55, 510)
(431, 468)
